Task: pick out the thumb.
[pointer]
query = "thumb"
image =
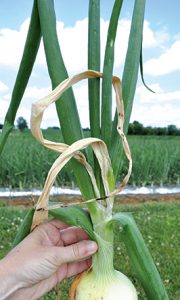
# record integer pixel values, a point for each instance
(75, 252)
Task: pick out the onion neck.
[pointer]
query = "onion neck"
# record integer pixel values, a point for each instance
(102, 261)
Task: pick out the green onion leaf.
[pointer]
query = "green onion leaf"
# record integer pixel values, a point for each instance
(24, 72)
(66, 108)
(106, 111)
(140, 257)
(142, 73)
(25, 227)
(75, 216)
(129, 80)
(94, 83)
(94, 64)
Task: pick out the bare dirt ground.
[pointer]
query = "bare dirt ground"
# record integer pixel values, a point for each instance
(123, 199)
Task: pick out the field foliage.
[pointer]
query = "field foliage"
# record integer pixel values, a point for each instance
(25, 164)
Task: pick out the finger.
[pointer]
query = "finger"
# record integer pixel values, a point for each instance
(73, 235)
(49, 232)
(73, 269)
(78, 267)
(74, 252)
(42, 287)
(58, 223)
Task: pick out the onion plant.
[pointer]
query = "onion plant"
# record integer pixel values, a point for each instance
(97, 182)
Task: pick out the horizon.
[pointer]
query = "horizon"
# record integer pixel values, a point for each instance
(89, 129)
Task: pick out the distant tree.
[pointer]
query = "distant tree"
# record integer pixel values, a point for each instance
(135, 128)
(130, 128)
(149, 130)
(21, 124)
(1, 126)
(53, 127)
(160, 130)
(172, 130)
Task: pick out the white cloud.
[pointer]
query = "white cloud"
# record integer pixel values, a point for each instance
(154, 38)
(3, 87)
(149, 38)
(36, 93)
(156, 114)
(144, 96)
(73, 43)
(12, 44)
(158, 109)
(166, 63)
(3, 110)
(81, 95)
(50, 116)
(31, 95)
(32, 92)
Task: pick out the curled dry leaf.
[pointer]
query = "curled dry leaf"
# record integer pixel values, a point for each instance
(73, 151)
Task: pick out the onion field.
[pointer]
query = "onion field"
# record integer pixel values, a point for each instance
(25, 163)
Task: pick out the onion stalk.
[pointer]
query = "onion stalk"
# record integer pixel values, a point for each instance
(102, 274)
(99, 228)
(97, 183)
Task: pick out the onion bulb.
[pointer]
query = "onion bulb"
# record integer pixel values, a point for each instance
(114, 286)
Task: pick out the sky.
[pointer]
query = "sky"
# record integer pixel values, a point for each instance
(161, 55)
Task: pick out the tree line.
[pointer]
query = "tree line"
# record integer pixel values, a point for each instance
(21, 124)
(135, 128)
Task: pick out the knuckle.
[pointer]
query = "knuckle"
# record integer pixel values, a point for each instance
(76, 250)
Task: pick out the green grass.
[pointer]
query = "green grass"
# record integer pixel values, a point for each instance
(24, 163)
(158, 224)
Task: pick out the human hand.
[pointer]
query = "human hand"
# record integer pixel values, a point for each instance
(52, 252)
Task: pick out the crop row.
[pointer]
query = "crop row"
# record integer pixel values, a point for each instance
(25, 163)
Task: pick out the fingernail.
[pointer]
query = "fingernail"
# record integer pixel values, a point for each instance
(91, 247)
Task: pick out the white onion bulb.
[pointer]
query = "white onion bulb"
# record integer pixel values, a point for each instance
(114, 287)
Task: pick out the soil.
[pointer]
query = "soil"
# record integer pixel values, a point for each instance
(124, 199)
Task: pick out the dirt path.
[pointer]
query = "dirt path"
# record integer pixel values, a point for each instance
(29, 201)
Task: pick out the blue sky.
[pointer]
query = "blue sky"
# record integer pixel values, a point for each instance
(161, 51)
